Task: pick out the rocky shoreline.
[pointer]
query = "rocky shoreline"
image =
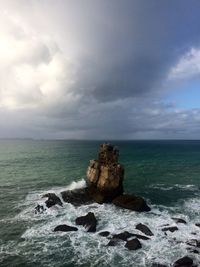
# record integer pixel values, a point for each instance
(105, 185)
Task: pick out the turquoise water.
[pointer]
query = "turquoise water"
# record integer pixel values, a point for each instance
(166, 173)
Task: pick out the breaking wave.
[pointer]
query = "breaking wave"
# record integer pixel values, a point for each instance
(40, 244)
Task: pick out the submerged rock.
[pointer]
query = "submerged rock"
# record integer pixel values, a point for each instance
(179, 220)
(133, 244)
(65, 228)
(105, 175)
(131, 202)
(171, 229)
(88, 221)
(143, 228)
(184, 262)
(104, 233)
(39, 209)
(113, 242)
(52, 200)
(77, 197)
(194, 243)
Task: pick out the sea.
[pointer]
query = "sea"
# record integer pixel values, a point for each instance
(165, 173)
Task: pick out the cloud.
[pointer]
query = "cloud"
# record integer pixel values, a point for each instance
(187, 67)
(33, 70)
(98, 70)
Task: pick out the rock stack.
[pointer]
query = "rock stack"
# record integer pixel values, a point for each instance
(105, 181)
(105, 175)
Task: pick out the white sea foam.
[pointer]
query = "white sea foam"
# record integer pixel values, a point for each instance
(76, 185)
(80, 247)
(189, 187)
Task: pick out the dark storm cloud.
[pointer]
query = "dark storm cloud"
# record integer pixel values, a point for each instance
(134, 43)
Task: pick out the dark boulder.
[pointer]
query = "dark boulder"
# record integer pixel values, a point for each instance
(89, 221)
(77, 197)
(131, 202)
(133, 244)
(143, 228)
(179, 220)
(171, 229)
(52, 200)
(184, 262)
(197, 224)
(104, 233)
(65, 228)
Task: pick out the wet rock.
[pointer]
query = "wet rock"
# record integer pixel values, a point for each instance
(131, 202)
(77, 197)
(105, 175)
(171, 229)
(158, 265)
(52, 200)
(104, 233)
(65, 228)
(133, 244)
(143, 228)
(39, 209)
(123, 236)
(126, 235)
(113, 242)
(184, 262)
(179, 220)
(88, 221)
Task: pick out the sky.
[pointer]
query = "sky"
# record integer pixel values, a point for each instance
(100, 69)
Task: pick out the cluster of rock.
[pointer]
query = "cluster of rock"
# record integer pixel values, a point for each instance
(131, 240)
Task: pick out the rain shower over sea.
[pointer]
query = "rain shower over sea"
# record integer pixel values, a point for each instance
(165, 173)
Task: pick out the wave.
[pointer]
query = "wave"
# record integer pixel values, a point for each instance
(164, 187)
(76, 185)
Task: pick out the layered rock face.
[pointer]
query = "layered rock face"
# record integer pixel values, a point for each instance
(105, 175)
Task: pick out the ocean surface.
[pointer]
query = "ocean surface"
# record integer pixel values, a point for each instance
(165, 173)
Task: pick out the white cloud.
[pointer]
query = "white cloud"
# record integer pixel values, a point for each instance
(33, 71)
(187, 67)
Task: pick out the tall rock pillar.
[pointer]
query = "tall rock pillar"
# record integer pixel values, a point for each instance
(105, 175)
